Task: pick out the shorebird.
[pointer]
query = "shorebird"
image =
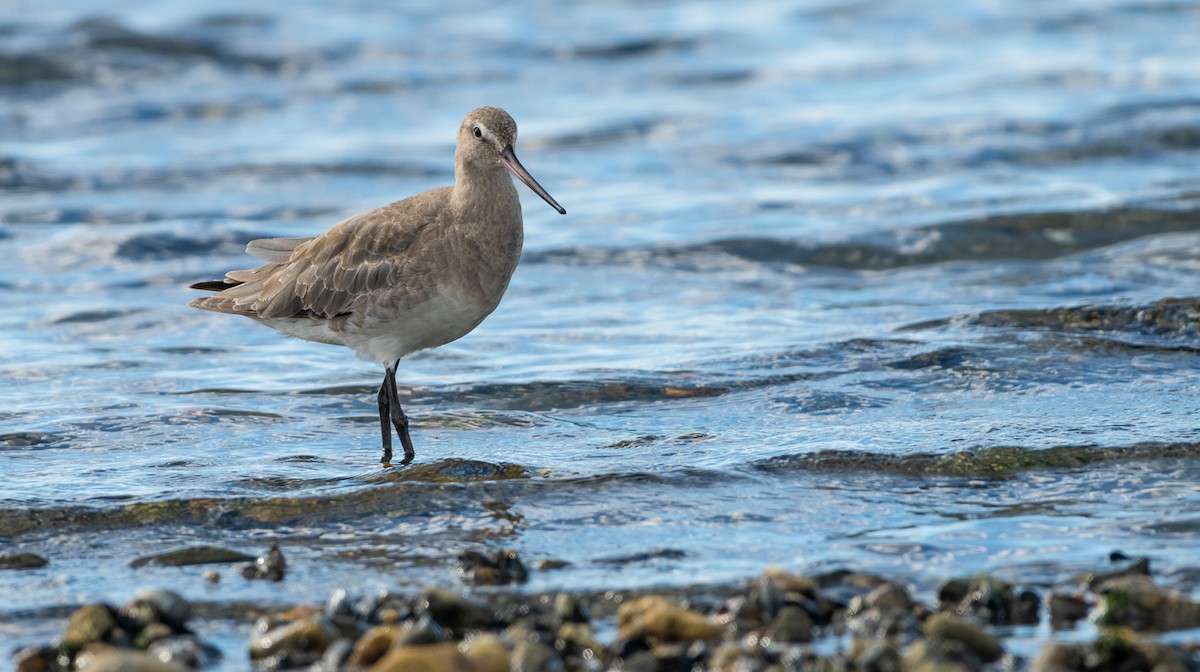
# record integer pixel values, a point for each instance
(408, 276)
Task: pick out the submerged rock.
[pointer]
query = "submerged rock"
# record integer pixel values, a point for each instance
(192, 555)
(22, 561)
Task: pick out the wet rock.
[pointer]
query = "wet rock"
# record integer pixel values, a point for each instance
(40, 659)
(733, 658)
(488, 652)
(22, 561)
(947, 626)
(1065, 610)
(270, 567)
(886, 611)
(1134, 601)
(837, 591)
(1114, 649)
(492, 569)
(109, 659)
(530, 656)
(192, 555)
(375, 642)
(184, 650)
(928, 655)
(453, 611)
(577, 639)
(425, 658)
(875, 655)
(152, 632)
(90, 624)
(373, 645)
(569, 609)
(791, 625)
(764, 598)
(335, 657)
(1125, 566)
(162, 606)
(294, 644)
(951, 592)
(1059, 657)
(654, 618)
(382, 607)
(999, 603)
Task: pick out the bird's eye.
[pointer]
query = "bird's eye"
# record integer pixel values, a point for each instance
(478, 133)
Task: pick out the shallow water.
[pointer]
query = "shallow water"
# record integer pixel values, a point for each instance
(875, 286)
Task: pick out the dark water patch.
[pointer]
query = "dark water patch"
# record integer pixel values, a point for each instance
(101, 34)
(643, 557)
(17, 440)
(1123, 144)
(1005, 237)
(941, 358)
(18, 175)
(100, 216)
(166, 246)
(996, 462)
(29, 69)
(236, 20)
(632, 130)
(702, 79)
(817, 402)
(552, 395)
(633, 48)
(22, 176)
(1175, 317)
(99, 315)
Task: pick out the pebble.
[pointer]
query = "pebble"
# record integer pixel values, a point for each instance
(655, 618)
(1135, 601)
(270, 567)
(493, 569)
(88, 624)
(426, 658)
(110, 659)
(765, 626)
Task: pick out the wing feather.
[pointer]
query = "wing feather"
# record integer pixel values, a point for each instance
(327, 275)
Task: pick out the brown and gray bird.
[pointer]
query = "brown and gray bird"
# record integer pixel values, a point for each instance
(412, 275)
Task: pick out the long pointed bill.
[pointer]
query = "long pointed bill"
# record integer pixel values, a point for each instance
(508, 158)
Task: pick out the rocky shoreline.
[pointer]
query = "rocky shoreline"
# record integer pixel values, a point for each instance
(777, 622)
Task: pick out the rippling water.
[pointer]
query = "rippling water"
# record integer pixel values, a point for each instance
(898, 287)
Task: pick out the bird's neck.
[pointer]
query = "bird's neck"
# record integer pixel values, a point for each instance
(485, 190)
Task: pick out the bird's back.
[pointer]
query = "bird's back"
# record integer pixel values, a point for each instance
(407, 276)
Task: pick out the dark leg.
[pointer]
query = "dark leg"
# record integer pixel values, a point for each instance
(397, 416)
(384, 414)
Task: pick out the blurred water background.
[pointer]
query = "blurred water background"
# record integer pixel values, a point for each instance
(904, 287)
